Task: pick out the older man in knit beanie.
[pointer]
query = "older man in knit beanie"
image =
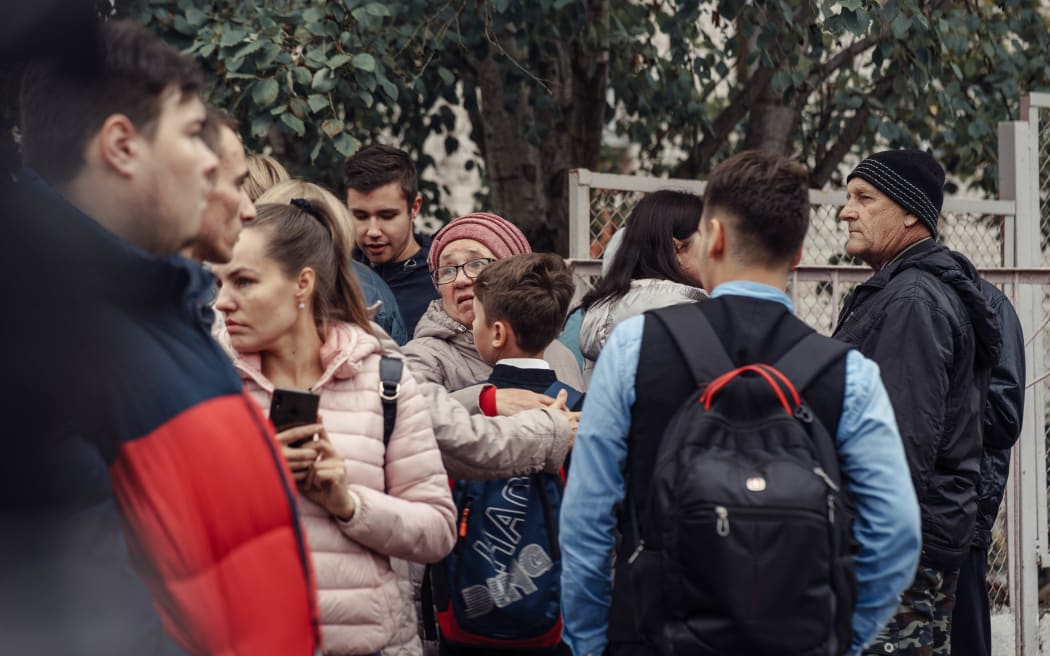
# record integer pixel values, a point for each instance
(443, 348)
(923, 319)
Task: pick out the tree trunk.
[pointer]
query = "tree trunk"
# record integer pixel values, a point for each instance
(771, 124)
(529, 181)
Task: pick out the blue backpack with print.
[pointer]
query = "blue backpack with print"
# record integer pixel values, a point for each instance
(501, 585)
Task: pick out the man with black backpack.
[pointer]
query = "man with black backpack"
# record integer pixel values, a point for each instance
(751, 468)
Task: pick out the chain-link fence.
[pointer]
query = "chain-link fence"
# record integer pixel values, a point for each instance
(1036, 370)
(818, 290)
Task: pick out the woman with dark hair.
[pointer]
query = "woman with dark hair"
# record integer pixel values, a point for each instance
(294, 318)
(655, 265)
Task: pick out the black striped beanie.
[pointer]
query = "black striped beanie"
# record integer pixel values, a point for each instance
(911, 178)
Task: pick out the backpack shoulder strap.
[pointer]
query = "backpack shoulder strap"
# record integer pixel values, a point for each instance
(390, 370)
(808, 359)
(695, 338)
(802, 365)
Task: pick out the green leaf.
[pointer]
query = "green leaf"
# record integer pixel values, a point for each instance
(364, 62)
(298, 107)
(337, 61)
(346, 145)
(196, 17)
(232, 37)
(313, 15)
(295, 124)
(301, 75)
(446, 75)
(316, 102)
(248, 49)
(264, 92)
(322, 82)
(389, 88)
(267, 55)
(365, 20)
(377, 9)
(366, 98)
(332, 127)
(901, 25)
(260, 125)
(182, 27)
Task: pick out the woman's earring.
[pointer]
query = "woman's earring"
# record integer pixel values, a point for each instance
(302, 306)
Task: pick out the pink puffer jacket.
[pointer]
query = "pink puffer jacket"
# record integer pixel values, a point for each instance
(415, 520)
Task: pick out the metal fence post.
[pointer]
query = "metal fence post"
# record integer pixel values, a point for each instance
(579, 214)
(1026, 492)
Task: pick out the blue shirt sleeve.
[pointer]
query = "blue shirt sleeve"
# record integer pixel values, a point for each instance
(595, 488)
(887, 523)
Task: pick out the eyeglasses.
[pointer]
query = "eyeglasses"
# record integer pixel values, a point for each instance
(446, 274)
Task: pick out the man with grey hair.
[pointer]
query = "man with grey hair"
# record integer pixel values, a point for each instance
(923, 319)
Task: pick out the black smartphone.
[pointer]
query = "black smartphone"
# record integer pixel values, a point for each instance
(290, 408)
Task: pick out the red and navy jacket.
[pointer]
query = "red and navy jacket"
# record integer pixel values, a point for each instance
(206, 502)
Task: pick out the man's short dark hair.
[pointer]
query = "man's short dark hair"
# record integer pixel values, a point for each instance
(766, 196)
(64, 104)
(211, 133)
(376, 165)
(531, 292)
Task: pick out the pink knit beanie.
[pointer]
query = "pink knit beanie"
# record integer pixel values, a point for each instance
(498, 234)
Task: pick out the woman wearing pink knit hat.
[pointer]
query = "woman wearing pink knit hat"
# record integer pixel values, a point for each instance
(443, 348)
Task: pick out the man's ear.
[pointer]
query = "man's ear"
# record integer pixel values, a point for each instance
(795, 260)
(416, 204)
(716, 244)
(117, 145)
(910, 219)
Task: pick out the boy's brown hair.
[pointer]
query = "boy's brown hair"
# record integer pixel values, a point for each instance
(531, 292)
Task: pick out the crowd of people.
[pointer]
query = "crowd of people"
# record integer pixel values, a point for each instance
(487, 470)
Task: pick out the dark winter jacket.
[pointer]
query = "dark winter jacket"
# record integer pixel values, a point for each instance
(145, 501)
(1002, 415)
(410, 281)
(924, 321)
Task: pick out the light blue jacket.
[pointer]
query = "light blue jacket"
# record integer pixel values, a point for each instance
(873, 464)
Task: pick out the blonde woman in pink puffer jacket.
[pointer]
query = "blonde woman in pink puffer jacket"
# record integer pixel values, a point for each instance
(293, 318)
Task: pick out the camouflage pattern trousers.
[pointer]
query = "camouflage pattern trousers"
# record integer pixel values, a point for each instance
(922, 625)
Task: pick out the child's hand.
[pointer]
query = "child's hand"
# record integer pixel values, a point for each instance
(574, 423)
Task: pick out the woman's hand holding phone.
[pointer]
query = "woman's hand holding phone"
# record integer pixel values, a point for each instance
(302, 456)
(324, 482)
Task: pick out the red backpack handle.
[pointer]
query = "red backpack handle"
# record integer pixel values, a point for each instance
(778, 381)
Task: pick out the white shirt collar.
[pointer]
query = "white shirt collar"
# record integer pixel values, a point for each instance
(525, 363)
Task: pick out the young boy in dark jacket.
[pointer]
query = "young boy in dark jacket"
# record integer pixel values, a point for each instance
(499, 593)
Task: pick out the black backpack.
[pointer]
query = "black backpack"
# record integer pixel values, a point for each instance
(744, 546)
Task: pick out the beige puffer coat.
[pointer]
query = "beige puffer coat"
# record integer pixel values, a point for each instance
(442, 351)
(644, 294)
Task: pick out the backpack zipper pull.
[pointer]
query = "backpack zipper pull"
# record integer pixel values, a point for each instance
(463, 518)
(824, 477)
(722, 523)
(831, 509)
(637, 552)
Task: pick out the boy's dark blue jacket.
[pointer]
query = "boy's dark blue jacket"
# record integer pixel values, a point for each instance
(135, 469)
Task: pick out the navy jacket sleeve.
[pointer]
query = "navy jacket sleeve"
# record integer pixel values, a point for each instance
(1005, 405)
